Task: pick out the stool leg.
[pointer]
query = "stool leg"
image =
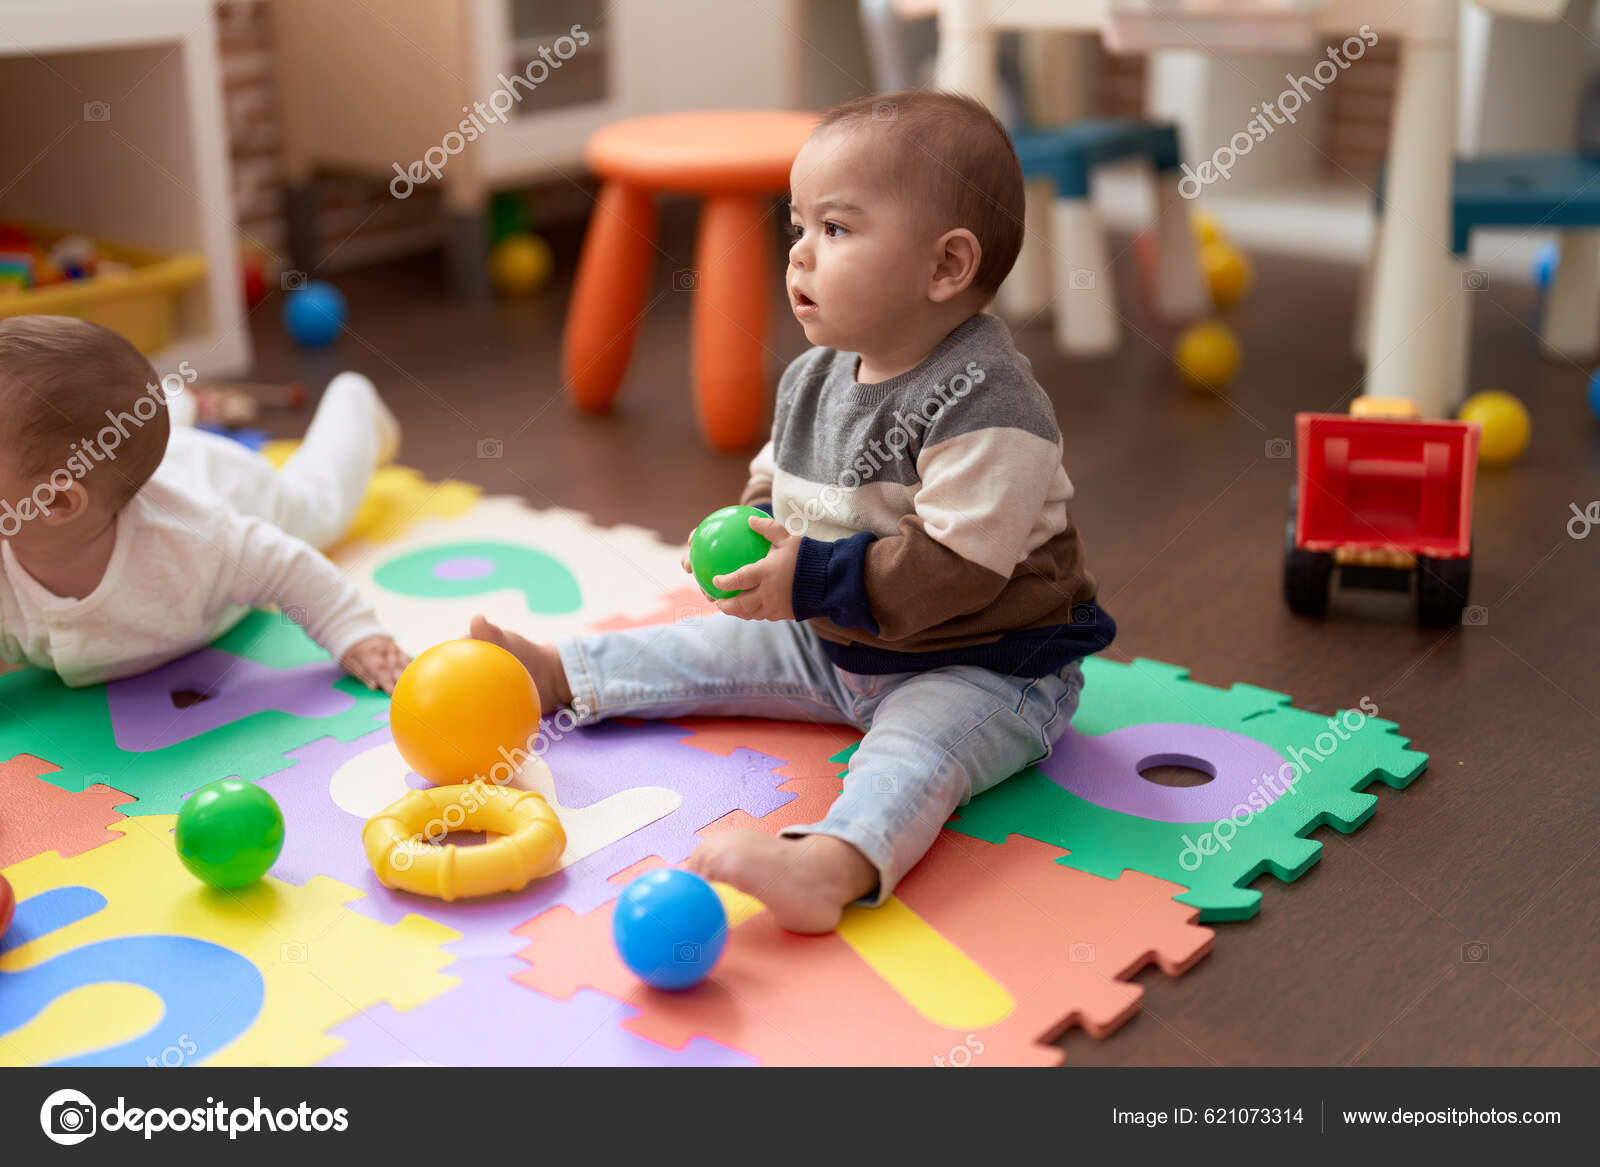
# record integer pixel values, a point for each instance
(1458, 311)
(1181, 292)
(730, 318)
(1571, 326)
(607, 295)
(1086, 298)
(1026, 291)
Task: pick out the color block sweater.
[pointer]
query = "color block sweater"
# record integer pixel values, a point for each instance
(933, 511)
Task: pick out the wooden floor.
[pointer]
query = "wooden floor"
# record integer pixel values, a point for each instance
(1367, 958)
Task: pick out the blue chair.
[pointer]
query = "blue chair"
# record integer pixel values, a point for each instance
(1536, 191)
(1064, 256)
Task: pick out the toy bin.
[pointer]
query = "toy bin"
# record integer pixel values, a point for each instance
(141, 304)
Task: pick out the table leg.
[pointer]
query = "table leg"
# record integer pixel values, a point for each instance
(1181, 292)
(1086, 296)
(1572, 307)
(968, 59)
(730, 318)
(1026, 291)
(1411, 339)
(608, 294)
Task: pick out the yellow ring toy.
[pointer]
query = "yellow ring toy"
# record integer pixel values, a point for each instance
(398, 841)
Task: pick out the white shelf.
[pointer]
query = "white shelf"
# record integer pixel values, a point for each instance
(155, 175)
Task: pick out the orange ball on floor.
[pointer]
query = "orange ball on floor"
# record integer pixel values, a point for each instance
(465, 710)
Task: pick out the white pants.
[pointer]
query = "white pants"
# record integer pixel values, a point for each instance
(316, 495)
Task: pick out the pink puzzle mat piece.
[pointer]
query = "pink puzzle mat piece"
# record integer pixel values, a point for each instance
(678, 604)
(1061, 942)
(144, 717)
(813, 777)
(588, 765)
(36, 816)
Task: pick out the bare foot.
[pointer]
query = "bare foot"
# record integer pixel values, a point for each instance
(804, 882)
(542, 661)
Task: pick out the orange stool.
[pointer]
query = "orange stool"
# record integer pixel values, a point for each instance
(734, 159)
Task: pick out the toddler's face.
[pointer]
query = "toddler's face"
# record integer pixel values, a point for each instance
(860, 261)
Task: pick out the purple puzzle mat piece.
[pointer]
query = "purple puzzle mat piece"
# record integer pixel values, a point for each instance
(1104, 769)
(491, 1020)
(320, 838)
(143, 717)
(463, 567)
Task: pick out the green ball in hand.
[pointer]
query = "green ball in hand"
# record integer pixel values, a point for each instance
(724, 542)
(229, 833)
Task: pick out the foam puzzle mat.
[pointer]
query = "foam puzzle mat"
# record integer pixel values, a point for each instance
(1032, 914)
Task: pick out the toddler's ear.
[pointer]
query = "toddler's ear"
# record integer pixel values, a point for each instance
(957, 254)
(67, 505)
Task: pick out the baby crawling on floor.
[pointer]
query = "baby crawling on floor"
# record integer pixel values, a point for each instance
(126, 543)
(926, 582)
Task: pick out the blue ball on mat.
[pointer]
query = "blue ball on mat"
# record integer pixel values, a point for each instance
(670, 928)
(1594, 393)
(315, 314)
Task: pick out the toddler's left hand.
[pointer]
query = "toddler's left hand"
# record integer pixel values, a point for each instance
(376, 662)
(766, 587)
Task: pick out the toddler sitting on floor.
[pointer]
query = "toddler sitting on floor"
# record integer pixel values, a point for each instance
(926, 582)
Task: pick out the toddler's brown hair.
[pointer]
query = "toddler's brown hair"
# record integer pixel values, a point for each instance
(948, 155)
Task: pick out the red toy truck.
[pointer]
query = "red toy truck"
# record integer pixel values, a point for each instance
(1384, 496)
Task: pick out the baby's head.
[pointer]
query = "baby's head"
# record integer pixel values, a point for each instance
(83, 425)
(907, 210)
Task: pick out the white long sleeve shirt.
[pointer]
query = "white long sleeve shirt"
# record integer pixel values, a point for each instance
(186, 568)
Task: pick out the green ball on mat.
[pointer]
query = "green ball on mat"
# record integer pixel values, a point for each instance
(229, 833)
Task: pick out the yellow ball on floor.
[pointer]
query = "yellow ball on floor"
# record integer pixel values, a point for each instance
(520, 264)
(1506, 425)
(463, 711)
(1207, 355)
(1206, 227)
(1227, 273)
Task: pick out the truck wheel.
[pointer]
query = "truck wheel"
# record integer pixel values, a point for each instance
(1306, 574)
(1442, 590)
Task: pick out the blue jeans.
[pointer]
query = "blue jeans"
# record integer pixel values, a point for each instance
(933, 739)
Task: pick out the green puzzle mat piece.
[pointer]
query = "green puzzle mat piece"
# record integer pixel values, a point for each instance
(547, 585)
(1107, 842)
(41, 716)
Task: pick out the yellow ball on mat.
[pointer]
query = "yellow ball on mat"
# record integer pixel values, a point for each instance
(464, 710)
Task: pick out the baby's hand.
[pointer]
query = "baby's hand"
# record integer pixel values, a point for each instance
(687, 543)
(765, 587)
(376, 662)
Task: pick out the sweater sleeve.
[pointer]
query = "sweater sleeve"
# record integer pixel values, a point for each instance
(275, 568)
(981, 503)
